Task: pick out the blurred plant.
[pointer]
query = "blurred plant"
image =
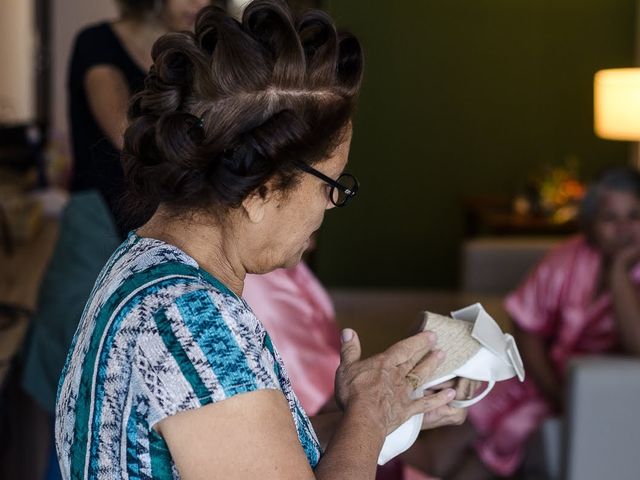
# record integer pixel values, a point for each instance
(554, 192)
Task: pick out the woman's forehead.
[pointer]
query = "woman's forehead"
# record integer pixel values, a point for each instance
(339, 157)
(617, 198)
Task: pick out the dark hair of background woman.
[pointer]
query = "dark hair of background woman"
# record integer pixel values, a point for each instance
(235, 104)
(136, 8)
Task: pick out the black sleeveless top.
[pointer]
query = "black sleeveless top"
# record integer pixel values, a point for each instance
(96, 160)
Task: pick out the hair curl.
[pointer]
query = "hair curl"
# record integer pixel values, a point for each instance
(235, 104)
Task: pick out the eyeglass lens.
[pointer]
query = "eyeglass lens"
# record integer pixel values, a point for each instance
(338, 196)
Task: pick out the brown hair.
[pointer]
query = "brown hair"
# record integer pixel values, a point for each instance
(235, 104)
(136, 8)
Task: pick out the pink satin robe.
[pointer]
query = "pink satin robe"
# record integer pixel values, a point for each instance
(299, 316)
(558, 301)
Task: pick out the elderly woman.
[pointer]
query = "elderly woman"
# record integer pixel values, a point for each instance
(240, 139)
(582, 298)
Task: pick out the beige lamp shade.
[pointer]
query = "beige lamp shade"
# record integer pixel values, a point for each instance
(18, 60)
(617, 104)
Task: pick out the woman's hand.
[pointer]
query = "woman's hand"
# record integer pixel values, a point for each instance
(447, 415)
(465, 387)
(624, 259)
(382, 385)
(539, 366)
(443, 416)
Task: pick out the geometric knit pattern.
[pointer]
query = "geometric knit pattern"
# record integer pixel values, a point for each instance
(158, 336)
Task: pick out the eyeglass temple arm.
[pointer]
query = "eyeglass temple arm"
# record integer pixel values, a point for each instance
(322, 176)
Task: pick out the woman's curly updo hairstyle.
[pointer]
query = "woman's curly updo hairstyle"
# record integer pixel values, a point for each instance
(235, 104)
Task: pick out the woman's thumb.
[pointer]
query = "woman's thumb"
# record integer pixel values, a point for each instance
(350, 350)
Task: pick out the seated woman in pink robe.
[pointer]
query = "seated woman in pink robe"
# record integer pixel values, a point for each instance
(583, 298)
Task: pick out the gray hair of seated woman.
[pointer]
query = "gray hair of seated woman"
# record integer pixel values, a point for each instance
(620, 179)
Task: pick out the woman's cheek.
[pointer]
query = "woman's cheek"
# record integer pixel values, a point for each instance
(636, 233)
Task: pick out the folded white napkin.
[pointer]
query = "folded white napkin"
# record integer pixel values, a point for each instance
(476, 349)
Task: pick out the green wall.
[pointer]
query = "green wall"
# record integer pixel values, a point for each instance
(462, 97)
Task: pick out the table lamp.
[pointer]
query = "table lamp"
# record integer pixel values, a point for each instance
(617, 107)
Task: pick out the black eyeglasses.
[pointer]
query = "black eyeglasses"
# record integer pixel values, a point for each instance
(342, 190)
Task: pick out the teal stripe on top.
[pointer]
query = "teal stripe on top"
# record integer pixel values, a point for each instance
(214, 337)
(133, 464)
(105, 349)
(117, 255)
(309, 444)
(160, 457)
(163, 323)
(107, 312)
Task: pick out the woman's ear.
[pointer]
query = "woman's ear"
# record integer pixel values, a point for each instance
(257, 202)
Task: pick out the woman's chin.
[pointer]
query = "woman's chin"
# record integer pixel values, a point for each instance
(297, 258)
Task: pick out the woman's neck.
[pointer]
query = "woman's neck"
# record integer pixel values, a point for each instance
(214, 247)
(138, 36)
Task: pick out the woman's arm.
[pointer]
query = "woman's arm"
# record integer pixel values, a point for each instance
(252, 435)
(538, 365)
(626, 303)
(108, 96)
(325, 425)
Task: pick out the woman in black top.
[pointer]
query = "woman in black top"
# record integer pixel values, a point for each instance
(108, 64)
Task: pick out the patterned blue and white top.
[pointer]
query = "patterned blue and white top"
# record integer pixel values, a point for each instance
(158, 336)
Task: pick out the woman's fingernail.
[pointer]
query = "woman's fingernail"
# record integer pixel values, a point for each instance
(432, 337)
(451, 393)
(440, 354)
(346, 335)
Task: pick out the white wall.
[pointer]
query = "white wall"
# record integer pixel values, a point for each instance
(236, 7)
(17, 57)
(69, 16)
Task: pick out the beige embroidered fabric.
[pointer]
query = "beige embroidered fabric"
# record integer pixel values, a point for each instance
(454, 338)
